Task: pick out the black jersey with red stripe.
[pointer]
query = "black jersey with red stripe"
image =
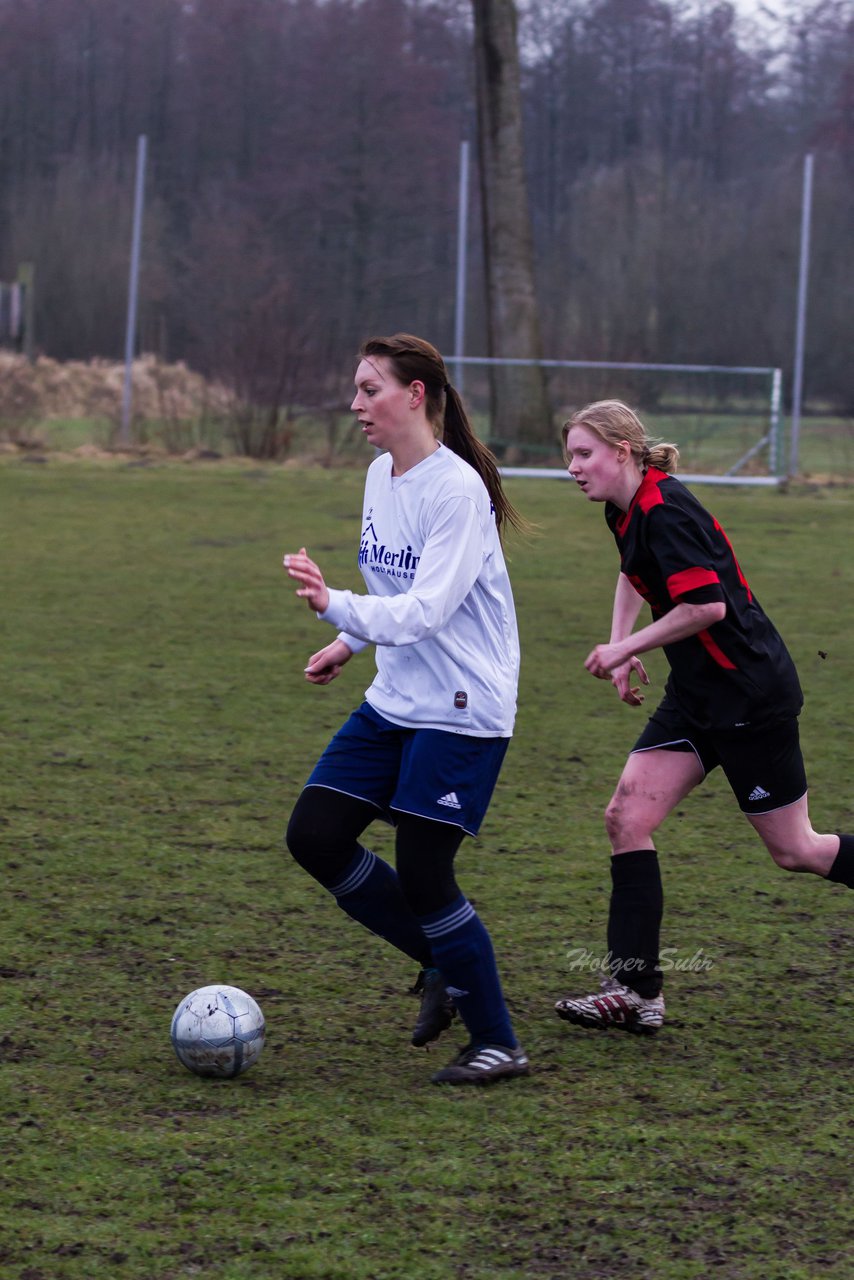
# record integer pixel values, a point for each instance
(738, 671)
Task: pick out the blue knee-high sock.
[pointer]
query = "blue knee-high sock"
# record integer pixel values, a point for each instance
(369, 891)
(462, 952)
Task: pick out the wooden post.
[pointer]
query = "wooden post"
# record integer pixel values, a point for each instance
(27, 280)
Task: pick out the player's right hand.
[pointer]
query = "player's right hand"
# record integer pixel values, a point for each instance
(313, 590)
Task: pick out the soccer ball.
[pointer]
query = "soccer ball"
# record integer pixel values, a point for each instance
(218, 1031)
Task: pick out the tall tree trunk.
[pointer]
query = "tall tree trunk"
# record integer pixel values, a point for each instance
(520, 409)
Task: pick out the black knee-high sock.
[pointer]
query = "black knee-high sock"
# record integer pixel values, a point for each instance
(634, 921)
(842, 868)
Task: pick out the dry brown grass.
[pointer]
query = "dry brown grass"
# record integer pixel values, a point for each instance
(74, 408)
(48, 390)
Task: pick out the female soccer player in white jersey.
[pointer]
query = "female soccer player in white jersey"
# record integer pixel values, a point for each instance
(425, 748)
(732, 699)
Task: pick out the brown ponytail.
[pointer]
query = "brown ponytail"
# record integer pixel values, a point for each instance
(413, 358)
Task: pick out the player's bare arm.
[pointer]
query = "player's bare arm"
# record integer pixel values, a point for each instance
(627, 606)
(683, 621)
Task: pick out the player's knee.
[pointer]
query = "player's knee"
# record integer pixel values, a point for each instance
(612, 816)
(299, 839)
(307, 836)
(324, 858)
(318, 859)
(621, 822)
(322, 826)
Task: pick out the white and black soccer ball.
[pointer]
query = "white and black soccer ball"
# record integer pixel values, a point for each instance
(218, 1031)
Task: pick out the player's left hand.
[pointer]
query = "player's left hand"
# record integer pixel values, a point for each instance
(313, 590)
(325, 666)
(621, 679)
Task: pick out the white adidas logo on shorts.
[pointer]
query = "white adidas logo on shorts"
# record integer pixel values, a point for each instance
(450, 801)
(759, 793)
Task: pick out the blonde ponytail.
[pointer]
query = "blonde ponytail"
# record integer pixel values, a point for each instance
(662, 455)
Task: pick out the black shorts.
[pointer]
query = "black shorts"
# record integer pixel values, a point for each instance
(763, 763)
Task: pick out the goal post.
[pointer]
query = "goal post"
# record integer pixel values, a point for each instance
(726, 419)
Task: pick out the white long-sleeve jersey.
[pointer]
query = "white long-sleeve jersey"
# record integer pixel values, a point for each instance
(440, 608)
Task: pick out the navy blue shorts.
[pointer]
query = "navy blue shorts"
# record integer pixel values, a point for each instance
(431, 773)
(763, 763)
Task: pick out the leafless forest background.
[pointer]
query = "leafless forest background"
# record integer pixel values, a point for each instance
(302, 184)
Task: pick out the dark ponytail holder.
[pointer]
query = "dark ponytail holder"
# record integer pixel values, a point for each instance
(446, 388)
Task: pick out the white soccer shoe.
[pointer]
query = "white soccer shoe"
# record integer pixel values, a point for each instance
(615, 1005)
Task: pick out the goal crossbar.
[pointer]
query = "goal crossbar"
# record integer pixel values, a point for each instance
(615, 364)
(687, 477)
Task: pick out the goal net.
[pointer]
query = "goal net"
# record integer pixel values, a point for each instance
(724, 419)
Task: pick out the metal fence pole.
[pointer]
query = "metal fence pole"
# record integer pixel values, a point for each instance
(774, 459)
(133, 287)
(801, 322)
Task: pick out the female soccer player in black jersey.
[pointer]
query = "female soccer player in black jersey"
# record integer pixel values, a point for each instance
(732, 699)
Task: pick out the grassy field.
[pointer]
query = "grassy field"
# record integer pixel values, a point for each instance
(156, 733)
